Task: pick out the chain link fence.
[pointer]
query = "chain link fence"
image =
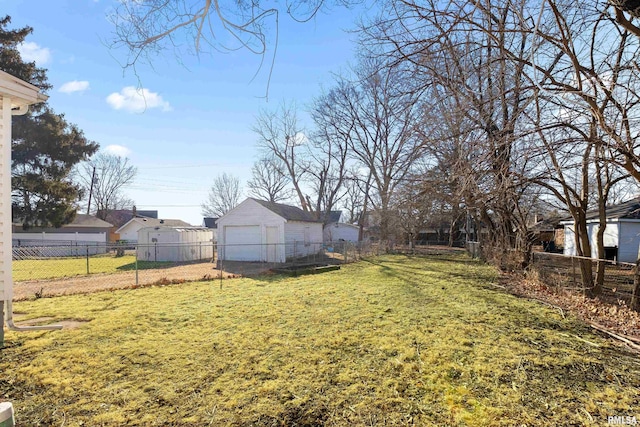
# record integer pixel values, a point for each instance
(58, 269)
(621, 279)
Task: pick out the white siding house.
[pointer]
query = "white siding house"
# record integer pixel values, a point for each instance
(175, 244)
(129, 231)
(338, 231)
(621, 235)
(257, 230)
(15, 97)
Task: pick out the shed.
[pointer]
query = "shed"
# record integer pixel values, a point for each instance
(621, 235)
(258, 230)
(174, 244)
(129, 231)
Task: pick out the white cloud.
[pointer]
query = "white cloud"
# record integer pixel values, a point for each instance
(117, 150)
(74, 86)
(136, 100)
(30, 51)
(301, 138)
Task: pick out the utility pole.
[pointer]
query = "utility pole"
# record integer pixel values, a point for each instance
(93, 180)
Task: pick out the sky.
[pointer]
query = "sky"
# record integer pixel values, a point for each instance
(194, 121)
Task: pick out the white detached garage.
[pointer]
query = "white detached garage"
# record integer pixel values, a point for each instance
(257, 230)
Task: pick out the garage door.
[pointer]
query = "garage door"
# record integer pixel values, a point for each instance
(242, 243)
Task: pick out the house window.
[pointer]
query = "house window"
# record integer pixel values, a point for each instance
(307, 233)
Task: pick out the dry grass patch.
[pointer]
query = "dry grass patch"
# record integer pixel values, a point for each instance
(395, 341)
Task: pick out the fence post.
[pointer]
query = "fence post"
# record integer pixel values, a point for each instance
(635, 295)
(136, 266)
(573, 276)
(87, 259)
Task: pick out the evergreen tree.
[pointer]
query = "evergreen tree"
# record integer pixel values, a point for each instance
(44, 146)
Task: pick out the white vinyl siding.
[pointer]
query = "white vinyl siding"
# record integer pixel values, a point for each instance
(242, 242)
(174, 244)
(290, 236)
(338, 231)
(6, 287)
(569, 240)
(253, 218)
(629, 241)
(298, 234)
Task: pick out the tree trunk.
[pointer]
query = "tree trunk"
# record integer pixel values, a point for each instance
(635, 296)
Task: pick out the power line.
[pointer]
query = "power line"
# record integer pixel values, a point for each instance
(184, 166)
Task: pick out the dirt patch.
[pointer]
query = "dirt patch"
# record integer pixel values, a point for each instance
(65, 323)
(127, 280)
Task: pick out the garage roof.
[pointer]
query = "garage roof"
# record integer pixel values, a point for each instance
(290, 213)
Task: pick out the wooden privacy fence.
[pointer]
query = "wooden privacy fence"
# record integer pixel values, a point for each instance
(621, 280)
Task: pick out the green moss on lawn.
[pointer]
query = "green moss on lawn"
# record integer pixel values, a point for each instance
(394, 341)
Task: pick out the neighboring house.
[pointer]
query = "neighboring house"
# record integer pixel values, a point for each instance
(336, 231)
(176, 244)
(621, 235)
(86, 235)
(129, 231)
(119, 217)
(212, 224)
(339, 231)
(549, 233)
(257, 230)
(84, 229)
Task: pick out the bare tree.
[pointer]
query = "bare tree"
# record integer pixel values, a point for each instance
(224, 195)
(146, 28)
(269, 181)
(103, 179)
(328, 155)
(280, 136)
(378, 120)
(354, 197)
(456, 53)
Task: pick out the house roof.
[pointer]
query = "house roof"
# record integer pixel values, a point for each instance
(290, 213)
(83, 220)
(548, 224)
(177, 228)
(80, 221)
(119, 217)
(155, 222)
(627, 210)
(210, 222)
(333, 216)
(20, 92)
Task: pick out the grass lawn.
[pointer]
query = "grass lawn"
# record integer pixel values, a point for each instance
(36, 269)
(395, 341)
